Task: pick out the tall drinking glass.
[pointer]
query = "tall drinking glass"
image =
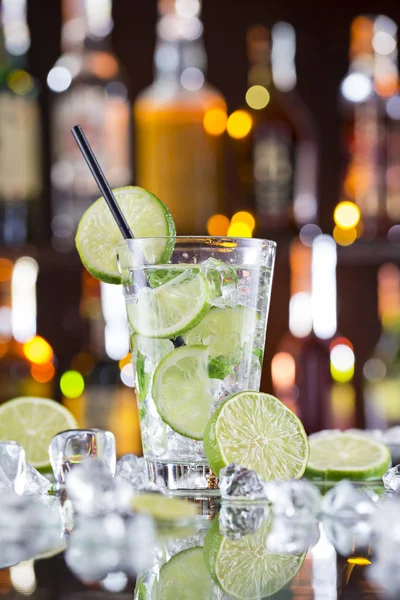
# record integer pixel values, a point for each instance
(197, 325)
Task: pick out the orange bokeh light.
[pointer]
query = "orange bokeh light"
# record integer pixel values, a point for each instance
(215, 120)
(244, 217)
(125, 360)
(283, 371)
(218, 225)
(38, 351)
(6, 268)
(43, 373)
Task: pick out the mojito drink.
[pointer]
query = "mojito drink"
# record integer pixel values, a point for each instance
(197, 328)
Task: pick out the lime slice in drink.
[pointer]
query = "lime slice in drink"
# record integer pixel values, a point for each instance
(172, 308)
(162, 508)
(337, 455)
(245, 569)
(257, 431)
(184, 577)
(32, 422)
(223, 330)
(181, 391)
(98, 234)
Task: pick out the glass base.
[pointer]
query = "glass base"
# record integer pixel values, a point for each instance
(193, 479)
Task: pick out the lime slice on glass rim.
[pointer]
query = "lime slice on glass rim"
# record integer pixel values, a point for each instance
(98, 235)
(336, 455)
(259, 432)
(162, 508)
(245, 569)
(170, 309)
(184, 576)
(181, 391)
(32, 422)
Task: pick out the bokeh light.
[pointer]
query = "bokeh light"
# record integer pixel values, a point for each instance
(308, 233)
(215, 120)
(43, 373)
(20, 82)
(257, 97)
(218, 225)
(244, 217)
(342, 363)
(341, 341)
(346, 215)
(239, 230)
(344, 237)
(6, 269)
(239, 124)
(374, 370)
(38, 351)
(72, 384)
(283, 371)
(127, 375)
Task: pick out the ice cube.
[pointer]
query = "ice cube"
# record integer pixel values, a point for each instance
(347, 501)
(292, 536)
(237, 520)
(293, 498)
(70, 448)
(223, 282)
(28, 526)
(93, 490)
(134, 471)
(385, 569)
(105, 544)
(391, 480)
(95, 547)
(154, 348)
(348, 536)
(12, 467)
(154, 434)
(35, 482)
(236, 481)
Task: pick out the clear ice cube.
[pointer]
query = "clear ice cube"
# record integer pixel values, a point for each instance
(133, 470)
(236, 481)
(70, 448)
(347, 501)
(95, 547)
(292, 536)
(385, 570)
(12, 467)
(223, 282)
(106, 544)
(35, 482)
(237, 520)
(391, 480)
(154, 434)
(93, 490)
(293, 498)
(348, 536)
(29, 526)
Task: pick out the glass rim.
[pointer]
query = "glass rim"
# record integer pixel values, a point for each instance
(222, 238)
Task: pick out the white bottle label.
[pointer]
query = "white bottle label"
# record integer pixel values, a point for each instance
(20, 156)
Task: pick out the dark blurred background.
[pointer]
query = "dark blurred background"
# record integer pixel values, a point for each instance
(70, 358)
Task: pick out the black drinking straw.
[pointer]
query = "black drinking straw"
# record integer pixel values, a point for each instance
(108, 195)
(102, 182)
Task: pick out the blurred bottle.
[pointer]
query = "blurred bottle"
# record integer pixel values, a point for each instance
(88, 88)
(20, 140)
(387, 86)
(179, 122)
(363, 179)
(301, 370)
(274, 137)
(382, 370)
(97, 389)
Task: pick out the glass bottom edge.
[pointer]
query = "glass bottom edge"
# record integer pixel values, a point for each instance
(184, 479)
